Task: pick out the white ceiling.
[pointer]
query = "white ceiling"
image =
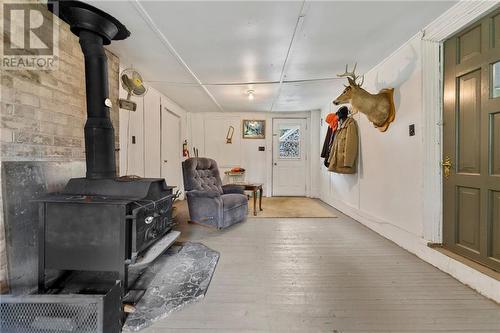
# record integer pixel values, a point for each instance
(206, 55)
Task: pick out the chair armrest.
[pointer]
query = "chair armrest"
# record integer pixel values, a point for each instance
(203, 194)
(230, 188)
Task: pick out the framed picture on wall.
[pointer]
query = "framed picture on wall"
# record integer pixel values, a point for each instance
(254, 129)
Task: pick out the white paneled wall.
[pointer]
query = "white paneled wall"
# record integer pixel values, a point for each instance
(216, 128)
(389, 162)
(387, 193)
(208, 134)
(132, 126)
(143, 158)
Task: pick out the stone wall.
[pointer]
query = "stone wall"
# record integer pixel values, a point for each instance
(42, 117)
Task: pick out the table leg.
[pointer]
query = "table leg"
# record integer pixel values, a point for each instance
(255, 202)
(260, 198)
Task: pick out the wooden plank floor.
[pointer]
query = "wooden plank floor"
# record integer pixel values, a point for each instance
(324, 275)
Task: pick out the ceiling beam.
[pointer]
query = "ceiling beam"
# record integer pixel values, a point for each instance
(147, 18)
(298, 26)
(244, 83)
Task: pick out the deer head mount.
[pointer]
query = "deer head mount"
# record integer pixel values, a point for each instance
(379, 108)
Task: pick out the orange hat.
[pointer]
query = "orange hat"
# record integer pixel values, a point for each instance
(332, 120)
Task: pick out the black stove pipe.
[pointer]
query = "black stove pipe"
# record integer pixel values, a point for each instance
(95, 29)
(99, 132)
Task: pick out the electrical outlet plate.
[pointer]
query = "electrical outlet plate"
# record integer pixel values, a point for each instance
(411, 130)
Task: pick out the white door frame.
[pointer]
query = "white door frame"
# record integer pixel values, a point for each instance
(306, 151)
(164, 108)
(455, 19)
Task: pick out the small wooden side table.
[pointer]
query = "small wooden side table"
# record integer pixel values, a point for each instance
(254, 188)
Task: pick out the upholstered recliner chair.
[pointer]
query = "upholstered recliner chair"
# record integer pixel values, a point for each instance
(209, 201)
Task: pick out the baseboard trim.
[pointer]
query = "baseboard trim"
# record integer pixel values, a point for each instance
(480, 282)
(471, 263)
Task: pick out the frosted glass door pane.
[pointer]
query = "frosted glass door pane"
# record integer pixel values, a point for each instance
(289, 142)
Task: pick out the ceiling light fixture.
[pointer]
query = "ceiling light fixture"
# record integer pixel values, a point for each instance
(251, 94)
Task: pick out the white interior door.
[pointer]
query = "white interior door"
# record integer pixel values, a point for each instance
(152, 134)
(171, 148)
(289, 157)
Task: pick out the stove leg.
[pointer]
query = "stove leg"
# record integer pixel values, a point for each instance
(123, 276)
(41, 280)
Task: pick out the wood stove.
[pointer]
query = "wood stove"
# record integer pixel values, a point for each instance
(101, 223)
(86, 230)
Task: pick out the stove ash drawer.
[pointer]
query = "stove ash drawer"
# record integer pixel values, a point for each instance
(150, 222)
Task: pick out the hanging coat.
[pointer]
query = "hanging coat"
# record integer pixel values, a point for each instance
(326, 145)
(344, 151)
(333, 121)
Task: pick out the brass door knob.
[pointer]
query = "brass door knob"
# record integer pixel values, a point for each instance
(447, 165)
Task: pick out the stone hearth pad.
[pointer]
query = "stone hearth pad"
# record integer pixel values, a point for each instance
(175, 279)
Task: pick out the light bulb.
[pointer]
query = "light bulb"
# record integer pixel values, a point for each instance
(250, 94)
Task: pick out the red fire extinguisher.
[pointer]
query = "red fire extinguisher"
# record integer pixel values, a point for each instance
(185, 150)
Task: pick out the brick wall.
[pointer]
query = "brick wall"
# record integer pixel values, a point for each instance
(43, 114)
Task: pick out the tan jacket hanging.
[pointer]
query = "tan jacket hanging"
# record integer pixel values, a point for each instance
(344, 152)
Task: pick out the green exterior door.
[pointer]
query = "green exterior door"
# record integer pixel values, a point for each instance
(471, 136)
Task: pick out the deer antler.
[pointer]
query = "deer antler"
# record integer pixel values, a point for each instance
(362, 81)
(352, 75)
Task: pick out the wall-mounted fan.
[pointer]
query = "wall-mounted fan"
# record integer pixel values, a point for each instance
(132, 83)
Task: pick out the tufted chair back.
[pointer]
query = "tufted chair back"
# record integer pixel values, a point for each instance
(201, 174)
